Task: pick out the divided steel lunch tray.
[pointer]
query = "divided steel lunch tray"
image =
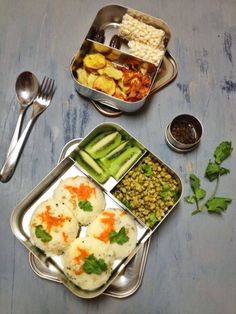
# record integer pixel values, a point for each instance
(121, 283)
(108, 21)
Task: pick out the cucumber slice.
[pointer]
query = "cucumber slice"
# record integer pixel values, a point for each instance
(103, 144)
(124, 161)
(108, 159)
(91, 166)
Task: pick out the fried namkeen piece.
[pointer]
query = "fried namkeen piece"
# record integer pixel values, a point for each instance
(105, 84)
(94, 61)
(82, 76)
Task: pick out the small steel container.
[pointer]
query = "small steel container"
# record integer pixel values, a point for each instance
(107, 21)
(184, 133)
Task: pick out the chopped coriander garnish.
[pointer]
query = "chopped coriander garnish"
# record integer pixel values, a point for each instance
(152, 220)
(86, 206)
(92, 265)
(42, 234)
(147, 168)
(118, 237)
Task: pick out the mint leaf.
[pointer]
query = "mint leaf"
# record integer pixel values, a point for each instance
(42, 234)
(218, 204)
(118, 237)
(213, 171)
(146, 168)
(86, 206)
(152, 219)
(222, 151)
(92, 265)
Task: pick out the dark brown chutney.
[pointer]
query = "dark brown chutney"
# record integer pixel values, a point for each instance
(184, 132)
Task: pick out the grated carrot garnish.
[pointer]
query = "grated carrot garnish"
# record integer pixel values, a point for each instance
(83, 191)
(52, 221)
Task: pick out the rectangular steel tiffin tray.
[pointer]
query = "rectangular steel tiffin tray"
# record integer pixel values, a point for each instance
(51, 267)
(151, 36)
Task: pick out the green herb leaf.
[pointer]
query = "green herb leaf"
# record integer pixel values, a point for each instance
(222, 151)
(42, 234)
(190, 199)
(194, 182)
(146, 168)
(92, 265)
(152, 219)
(218, 204)
(214, 170)
(118, 237)
(127, 203)
(86, 206)
(200, 194)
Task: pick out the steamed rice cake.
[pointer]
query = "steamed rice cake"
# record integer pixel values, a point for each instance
(88, 263)
(82, 196)
(53, 227)
(117, 228)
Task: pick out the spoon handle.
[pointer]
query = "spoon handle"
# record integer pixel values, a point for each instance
(16, 134)
(10, 164)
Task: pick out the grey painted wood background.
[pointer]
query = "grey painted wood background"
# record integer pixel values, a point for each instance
(191, 266)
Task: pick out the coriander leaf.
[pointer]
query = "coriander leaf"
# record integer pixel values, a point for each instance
(146, 168)
(218, 204)
(222, 151)
(190, 199)
(127, 203)
(195, 212)
(118, 237)
(194, 182)
(214, 170)
(86, 206)
(42, 234)
(92, 265)
(152, 219)
(200, 194)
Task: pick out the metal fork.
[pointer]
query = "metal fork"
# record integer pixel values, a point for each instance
(41, 102)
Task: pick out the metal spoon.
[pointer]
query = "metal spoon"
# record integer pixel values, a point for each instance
(26, 87)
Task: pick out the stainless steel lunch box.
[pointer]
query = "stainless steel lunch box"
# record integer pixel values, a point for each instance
(109, 19)
(66, 168)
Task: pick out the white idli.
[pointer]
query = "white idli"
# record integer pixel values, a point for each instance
(53, 227)
(88, 263)
(82, 196)
(116, 227)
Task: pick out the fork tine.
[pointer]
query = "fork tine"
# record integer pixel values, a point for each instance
(45, 89)
(41, 88)
(49, 82)
(50, 90)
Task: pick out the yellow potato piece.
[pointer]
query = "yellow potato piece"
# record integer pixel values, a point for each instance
(101, 48)
(91, 78)
(94, 61)
(82, 76)
(105, 84)
(112, 72)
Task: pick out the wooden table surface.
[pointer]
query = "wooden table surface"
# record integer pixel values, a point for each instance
(191, 265)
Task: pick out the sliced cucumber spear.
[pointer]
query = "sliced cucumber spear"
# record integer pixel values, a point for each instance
(103, 144)
(108, 159)
(92, 166)
(124, 161)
